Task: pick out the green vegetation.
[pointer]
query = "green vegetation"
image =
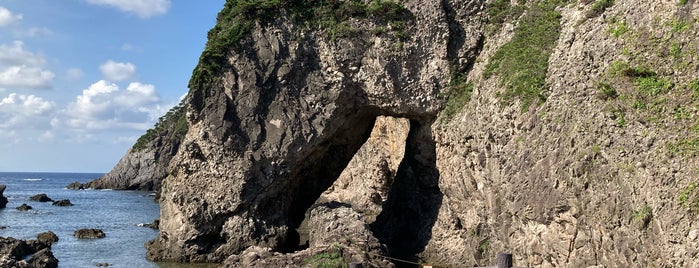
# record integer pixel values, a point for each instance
(459, 94)
(237, 18)
(523, 62)
(618, 28)
(684, 147)
(682, 3)
(643, 216)
(606, 91)
(599, 7)
(173, 123)
(689, 197)
(501, 11)
(327, 260)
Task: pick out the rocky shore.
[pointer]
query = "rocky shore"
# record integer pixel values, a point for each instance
(35, 253)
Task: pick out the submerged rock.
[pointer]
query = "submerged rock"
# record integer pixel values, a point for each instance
(3, 199)
(62, 203)
(24, 207)
(89, 234)
(41, 198)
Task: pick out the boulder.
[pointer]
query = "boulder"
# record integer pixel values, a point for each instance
(89, 233)
(62, 203)
(24, 207)
(14, 253)
(75, 186)
(41, 198)
(47, 238)
(3, 199)
(43, 258)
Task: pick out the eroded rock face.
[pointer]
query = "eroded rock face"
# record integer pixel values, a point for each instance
(586, 177)
(14, 251)
(284, 120)
(339, 236)
(3, 199)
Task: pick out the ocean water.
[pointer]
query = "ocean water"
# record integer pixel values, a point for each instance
(117, 213)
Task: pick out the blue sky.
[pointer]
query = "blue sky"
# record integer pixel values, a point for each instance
(81, 80)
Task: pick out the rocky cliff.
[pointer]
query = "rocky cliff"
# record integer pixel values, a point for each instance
(145, 165)
(441, 132)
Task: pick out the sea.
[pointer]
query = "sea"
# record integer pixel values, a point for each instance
(120, 214)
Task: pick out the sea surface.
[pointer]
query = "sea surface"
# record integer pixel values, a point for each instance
(117, 213)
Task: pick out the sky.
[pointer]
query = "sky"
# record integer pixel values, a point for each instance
(81, 80)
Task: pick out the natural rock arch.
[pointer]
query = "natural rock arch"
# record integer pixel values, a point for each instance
(280, 123)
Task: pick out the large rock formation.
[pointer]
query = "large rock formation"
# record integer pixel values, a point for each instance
(565, 133)
(144, 166)
(28, 253)
(3, 199)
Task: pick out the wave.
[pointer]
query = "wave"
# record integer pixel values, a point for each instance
(33, 179)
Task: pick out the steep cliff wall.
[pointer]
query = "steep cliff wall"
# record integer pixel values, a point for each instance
(563, 132)
(145, 165)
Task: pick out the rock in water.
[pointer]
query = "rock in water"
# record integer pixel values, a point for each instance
(40, 198)
(24, 207)
(62, 203)
(75, 186)
(44, 258)
(47, 238)
(13, 252)
(3, 199)
(89, 233)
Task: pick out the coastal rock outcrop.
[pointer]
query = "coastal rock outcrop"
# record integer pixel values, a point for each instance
(62, 203)
(144, 166)
(24, 207)
(41, 198)
(3, 199)
(89, 233)
(14, 253)
(268, 136)
(563, 132)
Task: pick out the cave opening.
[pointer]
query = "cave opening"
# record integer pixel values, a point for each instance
(389, 177)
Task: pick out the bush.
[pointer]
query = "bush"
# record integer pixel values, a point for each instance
(599, 7)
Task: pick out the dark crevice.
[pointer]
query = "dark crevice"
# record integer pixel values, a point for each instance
(406, 220)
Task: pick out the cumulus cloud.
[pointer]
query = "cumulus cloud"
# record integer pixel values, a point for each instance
(26, 77)
(14, 54)
(118, 71)
(7, 18)
(105, 106)
(142, 8)
(25, 111)
(20, 68)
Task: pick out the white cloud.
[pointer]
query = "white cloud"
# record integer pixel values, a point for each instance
(23, 69)
(25, 111)
(118, 71)
(26, 77)
(6, 17)
(14, 54)
(142, 8)
(74, 73)
(105, 106)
